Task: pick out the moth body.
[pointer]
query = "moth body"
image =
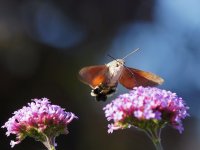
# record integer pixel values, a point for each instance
(115, 69)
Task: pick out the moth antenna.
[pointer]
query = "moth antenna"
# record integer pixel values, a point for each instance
(113, 58)
(130, 53)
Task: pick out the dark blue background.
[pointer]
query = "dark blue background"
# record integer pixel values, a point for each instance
(43, 44)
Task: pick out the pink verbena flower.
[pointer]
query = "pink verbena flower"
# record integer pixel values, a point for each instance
(146, 108)
(40, 120)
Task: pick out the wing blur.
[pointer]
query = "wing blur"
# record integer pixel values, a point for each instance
(133, 77)
(93, 75)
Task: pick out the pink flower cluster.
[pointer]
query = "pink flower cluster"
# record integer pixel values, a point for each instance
(37, 119)
(145, 105)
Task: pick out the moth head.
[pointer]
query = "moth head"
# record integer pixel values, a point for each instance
(116, 63)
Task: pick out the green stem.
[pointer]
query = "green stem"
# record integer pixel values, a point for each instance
(50, 143)
(154, 135)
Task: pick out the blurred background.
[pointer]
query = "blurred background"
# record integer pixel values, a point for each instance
(43, 45)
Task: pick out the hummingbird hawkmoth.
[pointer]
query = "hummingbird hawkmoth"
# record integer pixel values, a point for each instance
(103, 79)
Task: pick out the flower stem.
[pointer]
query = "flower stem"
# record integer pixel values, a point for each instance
(154, 135)
(50, 143)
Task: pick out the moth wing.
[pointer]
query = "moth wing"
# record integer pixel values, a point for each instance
(93, 75)
(132, 77)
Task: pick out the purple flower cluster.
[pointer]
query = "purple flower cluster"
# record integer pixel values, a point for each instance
(144, 107)
(39, 120)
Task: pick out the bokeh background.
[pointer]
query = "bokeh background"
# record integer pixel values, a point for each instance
(43, 44)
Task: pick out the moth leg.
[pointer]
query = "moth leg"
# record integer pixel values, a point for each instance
(111, 91)
(101, 97)
(131, 74)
